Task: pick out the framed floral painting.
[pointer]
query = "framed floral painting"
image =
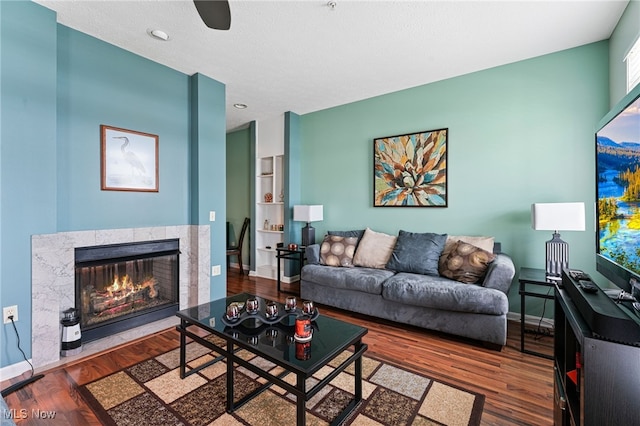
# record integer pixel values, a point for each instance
(411, 170)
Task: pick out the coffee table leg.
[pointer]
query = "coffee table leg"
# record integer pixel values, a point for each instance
(183, 349)
(230, 359)
(301, 400)
(358, 374)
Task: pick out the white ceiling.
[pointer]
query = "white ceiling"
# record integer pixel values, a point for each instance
(302, 56)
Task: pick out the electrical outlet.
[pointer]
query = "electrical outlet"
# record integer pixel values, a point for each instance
(215, 270)
(10, 311)
(212, 216)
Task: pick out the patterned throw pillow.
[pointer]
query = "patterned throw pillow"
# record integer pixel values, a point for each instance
(466, 263)
(485, 243)
(338, 251)
(358, 233)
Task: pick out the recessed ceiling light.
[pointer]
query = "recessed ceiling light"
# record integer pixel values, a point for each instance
(158, 35)
(240, 106)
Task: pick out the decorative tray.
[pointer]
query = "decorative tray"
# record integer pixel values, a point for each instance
(262, 316)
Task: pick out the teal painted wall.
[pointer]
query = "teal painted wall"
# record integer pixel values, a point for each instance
(27, 156)
(518, 134)
(293, 183)
(626, 33)
(238, 181)
(57, 87)
(208, 169)
(99, 83)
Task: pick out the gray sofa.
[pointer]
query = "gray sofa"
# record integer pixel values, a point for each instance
(476, 311)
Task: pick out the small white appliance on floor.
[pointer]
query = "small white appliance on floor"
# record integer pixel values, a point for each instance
(71, 336)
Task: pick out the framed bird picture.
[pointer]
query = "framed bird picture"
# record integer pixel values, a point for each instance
(129, 160)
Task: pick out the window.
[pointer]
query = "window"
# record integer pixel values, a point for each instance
(633, 65)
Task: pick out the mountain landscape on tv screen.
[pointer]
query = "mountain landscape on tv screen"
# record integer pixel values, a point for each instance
(618, 188)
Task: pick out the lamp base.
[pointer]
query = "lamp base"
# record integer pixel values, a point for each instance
(557, 252)
(308, 235)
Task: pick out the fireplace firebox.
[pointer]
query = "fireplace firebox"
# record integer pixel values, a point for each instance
(121, 286)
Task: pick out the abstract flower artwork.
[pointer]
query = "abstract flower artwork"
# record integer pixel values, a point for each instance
(411, 170)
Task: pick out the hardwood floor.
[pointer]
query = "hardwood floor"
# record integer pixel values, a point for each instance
(518, 387)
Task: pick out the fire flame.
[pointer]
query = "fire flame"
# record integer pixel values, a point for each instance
(123, 286)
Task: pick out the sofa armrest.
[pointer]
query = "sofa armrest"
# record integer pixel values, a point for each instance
(500, 273)
(312, 253)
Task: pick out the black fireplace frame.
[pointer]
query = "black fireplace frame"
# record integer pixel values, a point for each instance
(96, 255)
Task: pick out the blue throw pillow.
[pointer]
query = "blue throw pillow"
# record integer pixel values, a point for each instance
(417, 253)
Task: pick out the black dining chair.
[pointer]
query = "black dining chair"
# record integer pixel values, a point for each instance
(236, 250)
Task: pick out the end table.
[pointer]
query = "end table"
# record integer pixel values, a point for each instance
(285, 253)
(533, 277)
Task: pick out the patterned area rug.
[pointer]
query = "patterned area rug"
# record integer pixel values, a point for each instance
(152, 393)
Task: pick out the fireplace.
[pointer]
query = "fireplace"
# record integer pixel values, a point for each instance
(121, 286)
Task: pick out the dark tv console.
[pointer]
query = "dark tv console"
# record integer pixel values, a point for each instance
(596, 358)
(607, 320)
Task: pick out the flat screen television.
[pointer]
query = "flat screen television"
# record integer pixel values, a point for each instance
(618, 194)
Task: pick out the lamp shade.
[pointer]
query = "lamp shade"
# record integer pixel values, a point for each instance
(307, 213)
(557, 216)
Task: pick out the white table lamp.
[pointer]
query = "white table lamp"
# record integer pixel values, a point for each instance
(308, 214)
(557, 217)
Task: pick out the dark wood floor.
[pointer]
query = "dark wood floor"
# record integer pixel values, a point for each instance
(518, 387)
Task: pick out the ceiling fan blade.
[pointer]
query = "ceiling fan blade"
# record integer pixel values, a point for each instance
(214, 13)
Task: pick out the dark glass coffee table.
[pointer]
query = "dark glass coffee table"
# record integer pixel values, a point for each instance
(275, 343)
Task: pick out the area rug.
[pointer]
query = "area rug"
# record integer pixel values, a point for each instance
(151, 393)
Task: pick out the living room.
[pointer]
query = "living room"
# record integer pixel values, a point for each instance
(524, 129)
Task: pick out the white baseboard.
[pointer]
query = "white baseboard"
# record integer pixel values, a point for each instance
(14, 370)
(289, 280)
(284, 279)
(531, 320)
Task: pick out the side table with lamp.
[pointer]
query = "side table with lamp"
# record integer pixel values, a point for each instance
(548, 217)
(301, 213)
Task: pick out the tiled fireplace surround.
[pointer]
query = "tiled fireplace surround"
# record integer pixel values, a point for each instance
(53, 287)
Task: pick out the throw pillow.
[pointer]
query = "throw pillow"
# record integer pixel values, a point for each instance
(467, 263)
(374, 249)
(417, 253)
(337, 251)
(485, 243)
(355, 233)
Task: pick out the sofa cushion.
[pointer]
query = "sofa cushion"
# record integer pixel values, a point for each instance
(466, 263)
(337, 251)
(374, 249)
(417, 252)
(367, 280)
(442, 293)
